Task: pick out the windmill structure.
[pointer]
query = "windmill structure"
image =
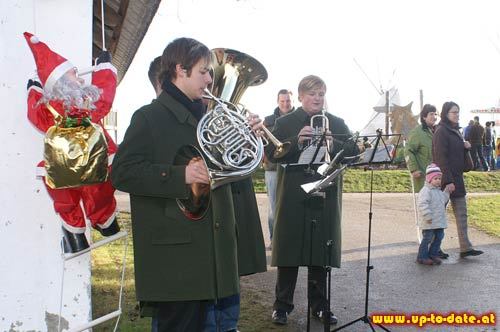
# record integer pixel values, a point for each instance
(388, 112)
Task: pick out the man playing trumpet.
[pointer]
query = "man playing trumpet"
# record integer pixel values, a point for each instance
(294, 241)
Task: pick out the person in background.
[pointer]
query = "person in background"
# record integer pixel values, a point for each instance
(432, 216)
(153, 73)
(494, 158)
(467, 130)
(291, 244)
(419, 146)
(448, 153)
(285, 106)
(487, 144)
(418, 150)
(182, 267)
(497, 149)
(476, 137)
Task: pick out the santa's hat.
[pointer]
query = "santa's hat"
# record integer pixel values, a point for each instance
(50, 65)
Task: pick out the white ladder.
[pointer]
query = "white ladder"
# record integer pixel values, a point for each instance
(111, 315)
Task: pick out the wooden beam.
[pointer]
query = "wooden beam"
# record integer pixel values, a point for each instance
(122, 11)
(111, 17)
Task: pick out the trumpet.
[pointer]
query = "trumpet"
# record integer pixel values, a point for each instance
(267, 137)
(319, 131)
(282, 148)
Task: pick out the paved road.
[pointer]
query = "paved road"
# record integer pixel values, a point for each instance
(397, 283)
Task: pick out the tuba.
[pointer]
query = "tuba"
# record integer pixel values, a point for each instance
(228, 146)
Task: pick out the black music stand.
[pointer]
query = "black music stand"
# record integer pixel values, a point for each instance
(318, 213)
(316, 222)
(378, 152)
(320, 186)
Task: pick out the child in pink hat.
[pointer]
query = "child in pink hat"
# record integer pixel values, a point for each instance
(432, 216)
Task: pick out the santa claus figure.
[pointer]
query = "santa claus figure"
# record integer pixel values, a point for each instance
(60, 89)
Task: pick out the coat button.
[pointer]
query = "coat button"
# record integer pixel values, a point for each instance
(217, 225)
(163, 174)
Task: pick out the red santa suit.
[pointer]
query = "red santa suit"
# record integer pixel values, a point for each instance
(97, 199)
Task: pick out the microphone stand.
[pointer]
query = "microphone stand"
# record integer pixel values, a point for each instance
(310, 171)
(319, 191)
(329, 171)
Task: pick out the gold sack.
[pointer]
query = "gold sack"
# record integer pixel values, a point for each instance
(75, 156)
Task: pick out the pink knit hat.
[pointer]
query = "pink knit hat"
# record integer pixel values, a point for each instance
(431, 172)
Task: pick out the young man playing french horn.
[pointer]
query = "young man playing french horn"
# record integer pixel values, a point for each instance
(181, 266)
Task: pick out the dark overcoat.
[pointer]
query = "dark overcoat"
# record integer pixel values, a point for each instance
(174, 258)
(307, 230)
(251, 248)
(448, 152)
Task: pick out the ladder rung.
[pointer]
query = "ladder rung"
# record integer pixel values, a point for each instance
(98, 321)
(96, 245)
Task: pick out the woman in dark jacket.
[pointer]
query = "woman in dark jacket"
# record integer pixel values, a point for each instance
(448, 152)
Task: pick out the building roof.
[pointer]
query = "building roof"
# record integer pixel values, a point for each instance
(126, 22)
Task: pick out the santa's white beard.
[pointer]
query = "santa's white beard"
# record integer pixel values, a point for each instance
(73, 93)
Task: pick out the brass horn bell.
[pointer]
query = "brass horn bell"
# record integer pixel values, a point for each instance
(230, 149)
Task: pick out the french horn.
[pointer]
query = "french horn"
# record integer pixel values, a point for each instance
(228, 146)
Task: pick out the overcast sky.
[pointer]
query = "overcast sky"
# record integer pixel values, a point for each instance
(449, 49)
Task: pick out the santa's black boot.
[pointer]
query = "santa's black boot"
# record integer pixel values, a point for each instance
(112, 229)
(73, 242)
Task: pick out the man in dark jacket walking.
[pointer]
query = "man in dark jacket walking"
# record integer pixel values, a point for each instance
(476, 137)
(487, 144)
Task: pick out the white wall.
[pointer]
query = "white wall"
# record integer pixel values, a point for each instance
(30, 264)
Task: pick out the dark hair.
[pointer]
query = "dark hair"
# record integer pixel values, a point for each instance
(487, 124)
(445, 110)
(184, 51)
(428, 108)
(284, 92)
(154, 71)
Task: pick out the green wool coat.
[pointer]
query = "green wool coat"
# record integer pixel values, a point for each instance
(251, 248)
(307, 231)
(175, 259)
(418, 153)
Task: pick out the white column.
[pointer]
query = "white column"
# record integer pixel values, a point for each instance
(30, 264)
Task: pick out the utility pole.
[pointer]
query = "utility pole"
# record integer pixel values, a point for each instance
(387, 110)
(421, 99)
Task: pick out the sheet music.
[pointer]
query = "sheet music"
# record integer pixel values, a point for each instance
(383, 154)
(319, 185)
(308, 153)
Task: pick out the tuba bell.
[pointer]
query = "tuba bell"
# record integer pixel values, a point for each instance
(228, 146)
